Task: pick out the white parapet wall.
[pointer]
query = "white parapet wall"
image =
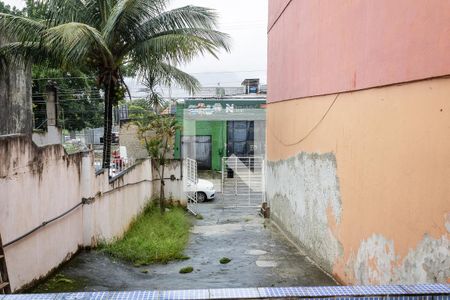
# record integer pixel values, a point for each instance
(38, 184)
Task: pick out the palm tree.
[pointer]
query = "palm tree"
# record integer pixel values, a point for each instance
(104, 36)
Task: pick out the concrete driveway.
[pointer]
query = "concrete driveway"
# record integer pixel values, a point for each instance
(260, 257)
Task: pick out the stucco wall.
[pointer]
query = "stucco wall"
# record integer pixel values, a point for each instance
(40, 183)
(366, 191)
(323, 47)
(128, 138)
(173, 184)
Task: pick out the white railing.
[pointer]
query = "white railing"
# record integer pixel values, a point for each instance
(190, 180)
(243, 181)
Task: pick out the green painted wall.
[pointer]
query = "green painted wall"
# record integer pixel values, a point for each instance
(216, 129)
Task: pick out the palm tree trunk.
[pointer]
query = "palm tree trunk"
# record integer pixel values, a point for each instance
(161, 191)
(107, 135)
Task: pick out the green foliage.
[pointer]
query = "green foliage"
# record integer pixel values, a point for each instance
(153, 237)
(114, 37)
(139, 110)
(187, 269)
(80, 103)
(111, 38)
(5, 8)
(224, 260)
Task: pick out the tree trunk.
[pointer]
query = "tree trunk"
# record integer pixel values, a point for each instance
(107, 125)
(161, 191)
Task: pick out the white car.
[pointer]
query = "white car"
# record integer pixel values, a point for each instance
(205, 190)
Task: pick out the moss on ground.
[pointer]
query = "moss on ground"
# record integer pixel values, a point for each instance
(59, 283)
(153, 237)
(185, 270)
(224, 260)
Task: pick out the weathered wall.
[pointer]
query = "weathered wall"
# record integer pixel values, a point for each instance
(322, 47)
(15, 96)
(128, 138)
(366, 192)
(52, 136)
(40, 183)
(173, 184)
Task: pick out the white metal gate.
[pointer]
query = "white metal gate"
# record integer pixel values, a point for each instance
(190, 180)
(243, 181)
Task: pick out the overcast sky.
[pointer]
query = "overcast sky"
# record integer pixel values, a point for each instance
(246, 22)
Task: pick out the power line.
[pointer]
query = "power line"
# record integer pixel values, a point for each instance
(193, 73)
(312, 129)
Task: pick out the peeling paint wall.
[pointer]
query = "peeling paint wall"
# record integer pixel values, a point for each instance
(302, 190)
(366, 191)
(40, 183)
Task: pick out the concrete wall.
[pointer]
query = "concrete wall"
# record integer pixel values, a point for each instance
(52, 136)
(322, 47)
(173, 185)
(40, 183)
(367, 192)
(15, 96)
(358, 135)
(128, 138)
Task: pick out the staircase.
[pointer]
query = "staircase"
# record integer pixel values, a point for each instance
(243, 181)
(5, 288)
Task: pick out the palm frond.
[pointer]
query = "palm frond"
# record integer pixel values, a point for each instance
(183, 17)
(20, 28)
(99, 11)
(182, 45)
(27, 51)
(128, 15)
(66, 11)
(164, 74)
(75, 41)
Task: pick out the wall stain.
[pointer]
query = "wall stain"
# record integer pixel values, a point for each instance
(303, 192)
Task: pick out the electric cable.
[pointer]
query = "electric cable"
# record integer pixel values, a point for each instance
(312, 129)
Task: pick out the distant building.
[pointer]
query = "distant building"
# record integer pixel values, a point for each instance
(251, 86)
(213, 129)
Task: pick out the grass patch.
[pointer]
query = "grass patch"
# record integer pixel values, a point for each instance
(186, 270)
(153, 237)
(224, 260)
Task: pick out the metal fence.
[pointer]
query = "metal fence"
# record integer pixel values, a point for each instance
(190, 180)
(243, 181)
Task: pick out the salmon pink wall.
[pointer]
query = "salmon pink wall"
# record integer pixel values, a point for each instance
(321, 47)
(366, 193)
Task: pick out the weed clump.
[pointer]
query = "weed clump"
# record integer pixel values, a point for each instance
(185, 270)
(224, 260)
(153, 237)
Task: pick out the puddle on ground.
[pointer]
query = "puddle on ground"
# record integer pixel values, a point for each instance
(256, 252)
(266, 263)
